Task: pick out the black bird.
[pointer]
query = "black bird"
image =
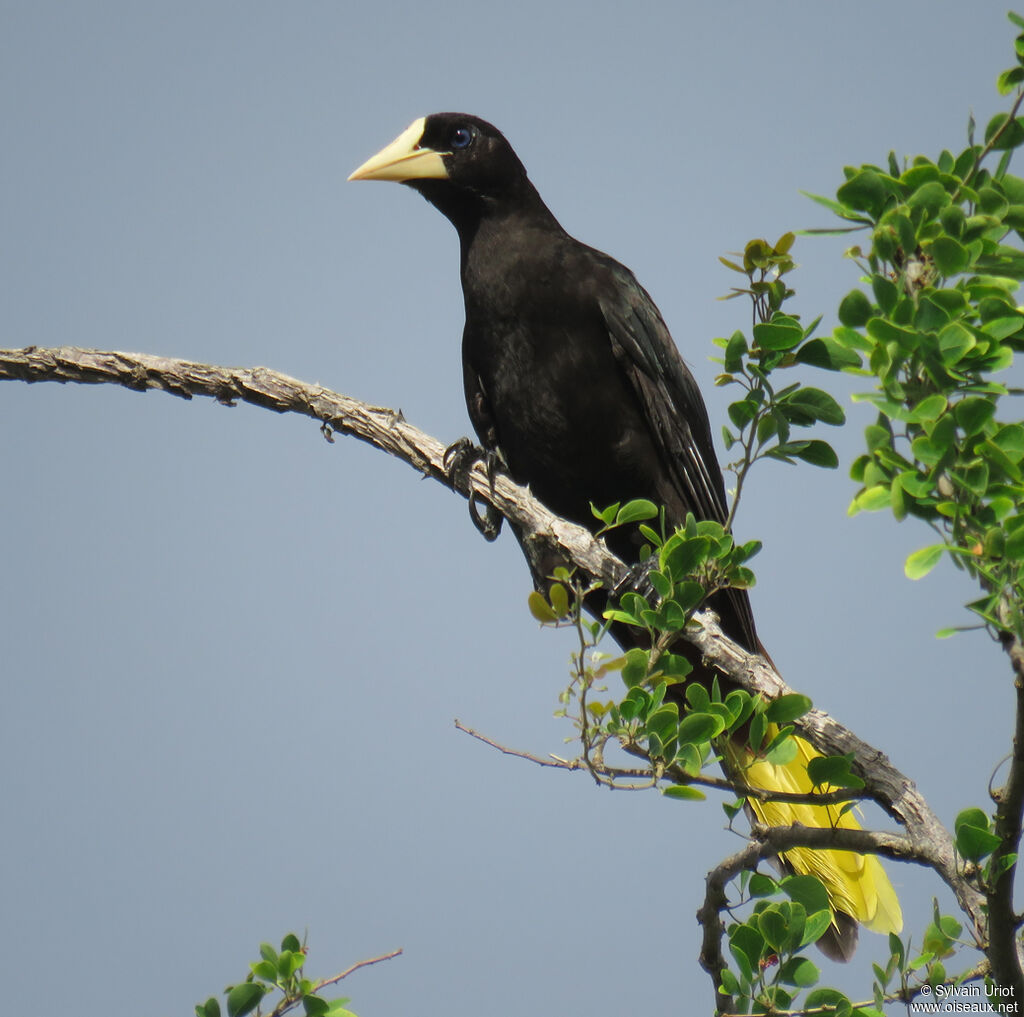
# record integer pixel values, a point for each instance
(571, 375)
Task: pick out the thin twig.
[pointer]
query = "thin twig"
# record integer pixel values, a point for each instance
(980, 158)
(355, 967)
(553, 761)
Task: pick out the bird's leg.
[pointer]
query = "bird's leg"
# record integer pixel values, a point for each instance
(459, 458)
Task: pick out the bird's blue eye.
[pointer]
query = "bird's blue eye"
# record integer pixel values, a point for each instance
(461, 137)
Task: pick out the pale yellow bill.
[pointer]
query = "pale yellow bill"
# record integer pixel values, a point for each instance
(403, 159)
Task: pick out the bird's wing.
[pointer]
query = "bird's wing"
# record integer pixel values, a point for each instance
(669, 396)
(675, 410)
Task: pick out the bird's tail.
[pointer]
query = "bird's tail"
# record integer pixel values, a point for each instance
(858, 888)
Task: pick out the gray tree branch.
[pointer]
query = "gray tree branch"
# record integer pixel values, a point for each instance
(926, 841)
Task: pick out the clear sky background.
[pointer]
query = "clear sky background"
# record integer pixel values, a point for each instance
(232, 653)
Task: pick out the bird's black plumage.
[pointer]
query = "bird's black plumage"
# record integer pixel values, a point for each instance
(570, 372)
(569, 369)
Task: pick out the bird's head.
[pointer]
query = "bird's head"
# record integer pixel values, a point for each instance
(452, 159)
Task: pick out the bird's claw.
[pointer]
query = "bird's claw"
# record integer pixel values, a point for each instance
(489, 524)
(459, 458)
(638, 580)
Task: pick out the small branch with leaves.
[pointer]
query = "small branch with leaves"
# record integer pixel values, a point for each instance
(282, 971)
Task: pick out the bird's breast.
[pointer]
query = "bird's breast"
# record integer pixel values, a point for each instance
(565, 417)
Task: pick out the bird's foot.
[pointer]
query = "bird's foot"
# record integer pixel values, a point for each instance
(638, 580)
(459, 458)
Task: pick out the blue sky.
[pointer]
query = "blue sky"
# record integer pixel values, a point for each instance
(233, 652)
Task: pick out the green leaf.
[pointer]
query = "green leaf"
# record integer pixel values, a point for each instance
(921, 562)
(684, 793)
(559, 600)
(974, 839)
(688, 595)
(855, 309)
(1013, 546)
(871, 500)
(337, 1008)
(697, 697)
(950, 926)
(735, 350)
(730, 983)
(1010, 441)
(778, 336)
(886, 292)
(663, 721)
(812, 404)
(634, 670)
(816, 926)
(799, 971)
(928, 410)
(952, 220)
(808, 891)
(291, 942)
(973, 413)
(682, 555)
(816, 452)
(315, 1006)
(929, 198)
(636, 511)
(833, 771)
(244, 998)
(761, 885)
(290, 962)
(951, 257)
(745, 945)
(773, 927)
(826, 998)
(1009, 80)
(264, 970)
(788, 708)
(605, 515)
(781, 752)
(742, 412)
(954, 342)
(971, 817)
(211, 1008)
(865, 192)
(541, 609)
(828, 354)
(884, 331)
(1011, 133)
(758, 729)
(700, 727)
(820, 199)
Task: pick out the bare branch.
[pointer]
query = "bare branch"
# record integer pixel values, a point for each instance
(381, 427)
(355, 967)
(553, 761)
(926, 839)
(290, 1002)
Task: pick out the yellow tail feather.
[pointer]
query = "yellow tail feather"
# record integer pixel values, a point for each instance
(857, 884)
